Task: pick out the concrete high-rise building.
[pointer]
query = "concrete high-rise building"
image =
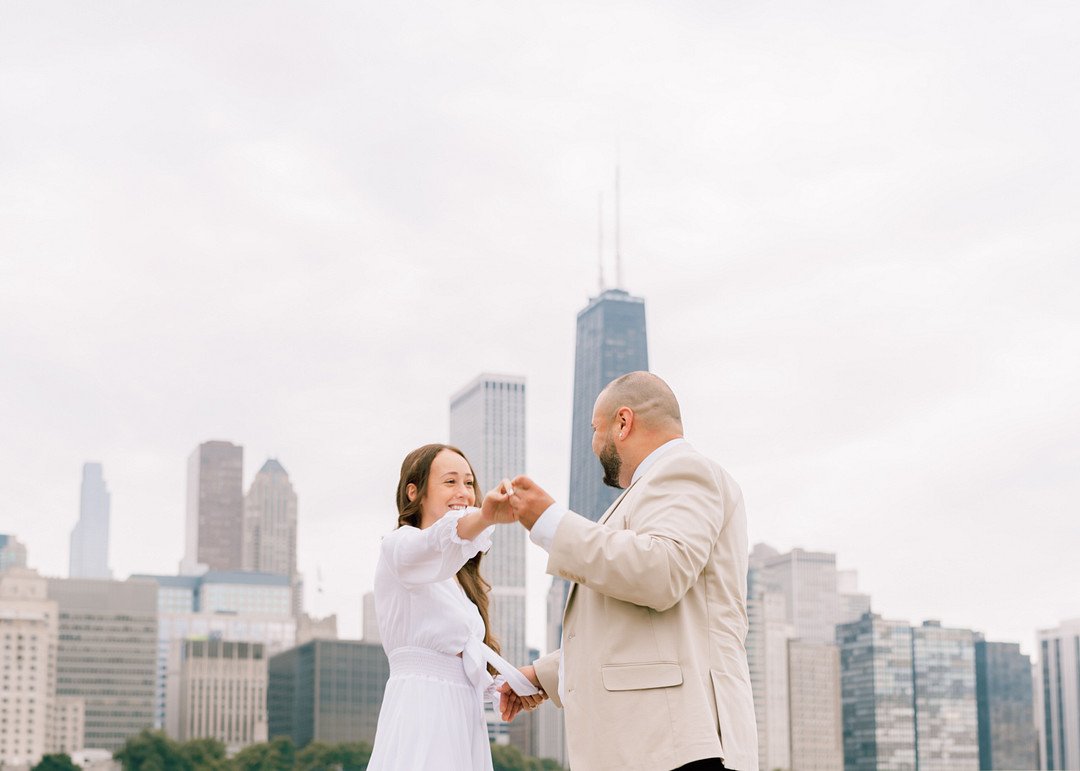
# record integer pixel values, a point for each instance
(223, 692)
(270, 527)
(487, 422)
(817, 742)
(877, 688)
(214, 528)
(853, 604)
(89, 556)
(1057, 686)
(767, 642)
(611, 342)
(793, 603)
(310, 628)
(807, 582)
(327, 691)
(370, 628)
(1008, 738)
(12, 552)
(229, 606)
(69, 724)
(107, 654)
(946, 712)
(28, 637)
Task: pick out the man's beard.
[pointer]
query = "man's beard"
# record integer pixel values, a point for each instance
(612, 463)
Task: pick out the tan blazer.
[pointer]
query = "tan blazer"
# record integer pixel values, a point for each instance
(655, 624)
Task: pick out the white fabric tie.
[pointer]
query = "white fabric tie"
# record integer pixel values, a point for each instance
(476, 656)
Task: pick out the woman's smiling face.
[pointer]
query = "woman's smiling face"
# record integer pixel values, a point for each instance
(450, 486)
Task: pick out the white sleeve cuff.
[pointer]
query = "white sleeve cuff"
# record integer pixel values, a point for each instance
(543, 530)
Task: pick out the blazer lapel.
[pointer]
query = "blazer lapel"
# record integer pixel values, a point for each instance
(606, 516)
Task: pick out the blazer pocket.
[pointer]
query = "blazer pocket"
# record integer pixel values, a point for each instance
(636, 677)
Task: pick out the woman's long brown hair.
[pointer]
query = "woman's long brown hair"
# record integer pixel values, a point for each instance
(415, 470)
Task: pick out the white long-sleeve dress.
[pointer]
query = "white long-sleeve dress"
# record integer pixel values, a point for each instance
(432, 714)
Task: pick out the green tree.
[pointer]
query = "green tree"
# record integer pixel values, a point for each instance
(58, 762)
(204, 755)
(151, 751)
(334, 757)
(277, 755)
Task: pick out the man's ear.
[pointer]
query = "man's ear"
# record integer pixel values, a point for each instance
(411, 492)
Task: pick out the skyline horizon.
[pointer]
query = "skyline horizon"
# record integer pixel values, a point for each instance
(1027, 646)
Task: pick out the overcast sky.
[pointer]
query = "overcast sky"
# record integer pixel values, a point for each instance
(302, 226)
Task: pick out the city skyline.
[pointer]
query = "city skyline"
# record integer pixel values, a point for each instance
(854, 229)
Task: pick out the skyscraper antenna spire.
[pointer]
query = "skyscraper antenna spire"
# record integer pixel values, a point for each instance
(618, 234)
(600, 238)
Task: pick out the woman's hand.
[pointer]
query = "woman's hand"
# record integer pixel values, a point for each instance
(496, 508)
(510, 703)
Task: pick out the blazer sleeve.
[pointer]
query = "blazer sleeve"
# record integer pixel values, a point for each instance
(676, 520)
(434, 554)
(547, 672)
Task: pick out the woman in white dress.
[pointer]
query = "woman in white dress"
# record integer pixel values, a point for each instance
(432, 608)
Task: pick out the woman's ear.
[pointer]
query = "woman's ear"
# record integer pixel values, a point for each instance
(411, 492)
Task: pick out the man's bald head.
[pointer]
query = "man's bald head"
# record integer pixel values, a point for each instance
(652, 401)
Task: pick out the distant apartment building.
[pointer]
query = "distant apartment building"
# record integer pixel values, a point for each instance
(327, 691)
(232, 606)
(946, 710)
(794, 602)
(28, 636)
(1008, 738)
(107, 654)
(69, 724)
(816, 719)
(909, 696)
(309, 628)
(1057, 687)
(223, 692)
(89, 553)
(877, 694)
(214, 525)
(12, 552)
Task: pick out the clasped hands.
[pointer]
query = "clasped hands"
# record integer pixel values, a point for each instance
(516, 500)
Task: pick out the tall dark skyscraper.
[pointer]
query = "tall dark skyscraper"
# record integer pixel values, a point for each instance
(214, 534)
(610, 342)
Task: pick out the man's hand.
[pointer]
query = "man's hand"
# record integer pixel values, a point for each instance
(529, 501)
(497, 508)
(510, 703)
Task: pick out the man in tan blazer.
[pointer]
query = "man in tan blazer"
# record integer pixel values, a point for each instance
(652, 673)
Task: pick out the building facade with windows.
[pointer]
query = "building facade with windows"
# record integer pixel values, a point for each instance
(1058, 696)
(107, 654)
(327, 691)
(223, 692)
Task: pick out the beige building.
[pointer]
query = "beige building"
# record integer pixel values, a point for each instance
(223, 692)
(28, 636)
(68, 724)
(309, 628)
(816, 721)
(270, 518)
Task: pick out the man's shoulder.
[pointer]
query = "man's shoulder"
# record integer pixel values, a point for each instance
(685, 460)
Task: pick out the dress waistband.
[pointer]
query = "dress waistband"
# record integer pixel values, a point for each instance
(410, 660)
